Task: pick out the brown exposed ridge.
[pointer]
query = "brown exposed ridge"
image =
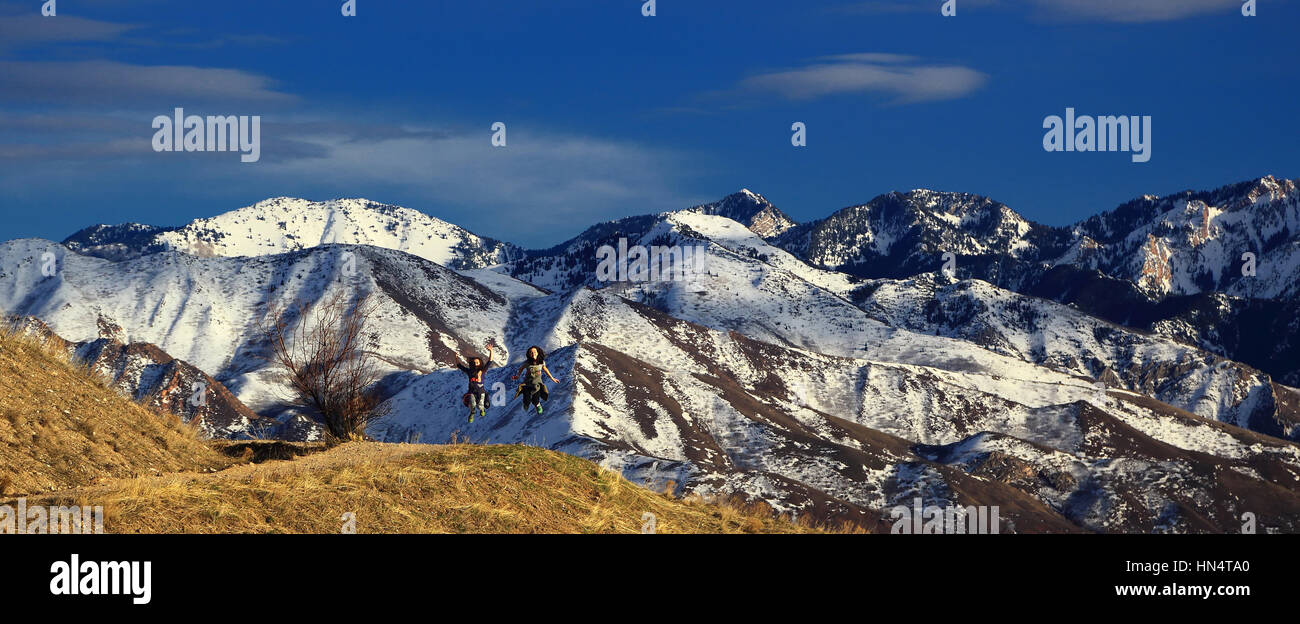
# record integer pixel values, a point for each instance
(1274, 496)
(880, 450)
(643, 384)
(61, 426)
(36, 328)
(1245, 435)
(173, 385)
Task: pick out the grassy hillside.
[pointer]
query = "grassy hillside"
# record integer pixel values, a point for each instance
(61, 426)
(409, 488)
(67, 439)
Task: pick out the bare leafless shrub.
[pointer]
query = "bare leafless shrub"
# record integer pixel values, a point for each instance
(329, 372)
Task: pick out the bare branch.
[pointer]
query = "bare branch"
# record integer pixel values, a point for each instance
(331, 374)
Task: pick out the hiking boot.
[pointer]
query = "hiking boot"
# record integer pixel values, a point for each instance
(471, 415)
(539, 408)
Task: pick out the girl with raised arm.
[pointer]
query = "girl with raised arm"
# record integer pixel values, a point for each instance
(532, 388)
(476, 397)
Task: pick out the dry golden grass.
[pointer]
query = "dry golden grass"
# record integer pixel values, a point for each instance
(61, 426)
(411, 488)
(67, 439)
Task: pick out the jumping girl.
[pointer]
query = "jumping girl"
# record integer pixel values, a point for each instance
(532, 388)
(476, 397)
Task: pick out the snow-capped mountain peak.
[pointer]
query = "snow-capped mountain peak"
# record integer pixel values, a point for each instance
(285, 224)
(751, 209)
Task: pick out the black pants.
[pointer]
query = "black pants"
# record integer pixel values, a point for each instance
(476, 398)
(535, 394)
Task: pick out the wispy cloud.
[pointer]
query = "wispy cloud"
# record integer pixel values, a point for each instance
(122, 84)
(31, 28)
(23, 27)
(1132, 11)
(884, 7)
(905, 78)
(544, 180)
(74, 152)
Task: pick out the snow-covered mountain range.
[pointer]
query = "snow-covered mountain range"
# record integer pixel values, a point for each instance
(284, 224)
(829, 368)
(1175, 265)
(1182, 244)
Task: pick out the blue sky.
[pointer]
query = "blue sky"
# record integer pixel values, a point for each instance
(611, 113)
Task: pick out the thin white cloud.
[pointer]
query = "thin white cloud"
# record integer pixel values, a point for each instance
(884, 7)
(540, 181)
(1131, 11)
(870, 57)
(74, 152)
(120, 84)
(32, 28)
(1135, 10)
(905, 78)
(23, 26)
